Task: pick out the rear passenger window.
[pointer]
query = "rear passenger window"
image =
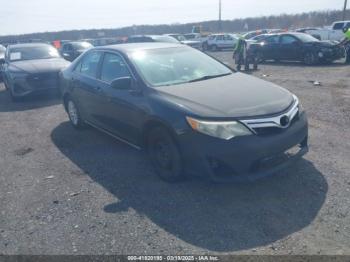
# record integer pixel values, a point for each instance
(89, 64)
(113, 67)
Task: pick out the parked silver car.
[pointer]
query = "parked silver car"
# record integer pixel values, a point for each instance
(217, 42)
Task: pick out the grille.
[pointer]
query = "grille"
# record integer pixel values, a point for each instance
(43, 80)
(266, 131)
(275, 124)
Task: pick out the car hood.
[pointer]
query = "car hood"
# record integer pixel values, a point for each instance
(39, 65)
(237, 95)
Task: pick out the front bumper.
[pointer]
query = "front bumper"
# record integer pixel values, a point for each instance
(331, 54)
(243, 159)
(34, 83)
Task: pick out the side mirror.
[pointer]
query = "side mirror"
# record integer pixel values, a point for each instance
(123, 83)
(2, 60)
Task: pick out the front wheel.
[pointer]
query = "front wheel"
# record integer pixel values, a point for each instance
(310, 58)
(74, 114)
(165, 155)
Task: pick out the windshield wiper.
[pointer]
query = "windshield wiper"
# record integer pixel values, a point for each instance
(208, 77)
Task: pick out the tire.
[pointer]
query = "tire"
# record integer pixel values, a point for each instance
(310, 58)
(74, 114)
(165, 155)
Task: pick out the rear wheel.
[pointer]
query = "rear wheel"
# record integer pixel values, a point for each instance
(74, 114)
(165, 155)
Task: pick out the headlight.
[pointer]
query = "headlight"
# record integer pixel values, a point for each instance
(223, 130)
(300, 107)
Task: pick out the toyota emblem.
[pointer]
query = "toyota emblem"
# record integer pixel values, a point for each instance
(284, 121)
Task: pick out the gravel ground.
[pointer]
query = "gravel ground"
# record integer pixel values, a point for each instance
(68, 192)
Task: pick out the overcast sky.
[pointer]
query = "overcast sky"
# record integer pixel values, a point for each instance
(27, 16)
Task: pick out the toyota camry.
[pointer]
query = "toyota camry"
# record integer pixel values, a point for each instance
(192, 114)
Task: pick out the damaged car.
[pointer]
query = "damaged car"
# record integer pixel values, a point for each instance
(297, 47)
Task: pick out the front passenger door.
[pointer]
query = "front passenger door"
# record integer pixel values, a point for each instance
(289, 47)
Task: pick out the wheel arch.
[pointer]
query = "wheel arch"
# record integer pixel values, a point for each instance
(151, 124)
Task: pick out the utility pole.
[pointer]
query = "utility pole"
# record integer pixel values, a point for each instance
(344, 10)
(220, 25)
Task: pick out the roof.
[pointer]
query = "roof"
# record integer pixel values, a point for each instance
(75, 42)
(140, 46)
(28, 45)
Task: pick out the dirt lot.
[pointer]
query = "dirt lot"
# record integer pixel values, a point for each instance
(69, 192)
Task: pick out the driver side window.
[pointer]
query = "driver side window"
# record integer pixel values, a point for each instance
(113, 67)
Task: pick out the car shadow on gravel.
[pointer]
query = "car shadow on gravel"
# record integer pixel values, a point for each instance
(29, 103)
(219, 218)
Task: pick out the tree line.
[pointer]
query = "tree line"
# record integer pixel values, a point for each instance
(284, 21)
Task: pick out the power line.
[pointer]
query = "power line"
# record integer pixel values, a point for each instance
(344, 10)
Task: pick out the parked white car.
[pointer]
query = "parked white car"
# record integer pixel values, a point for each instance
(192, 43)
(220, 41)
(333, 33)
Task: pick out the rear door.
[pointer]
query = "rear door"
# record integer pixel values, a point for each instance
(86, 86)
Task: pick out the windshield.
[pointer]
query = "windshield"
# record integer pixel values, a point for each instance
(307, 38)
(179, 37)
(33, 52)
(165, 39)
(170, 66)
(82, 45)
